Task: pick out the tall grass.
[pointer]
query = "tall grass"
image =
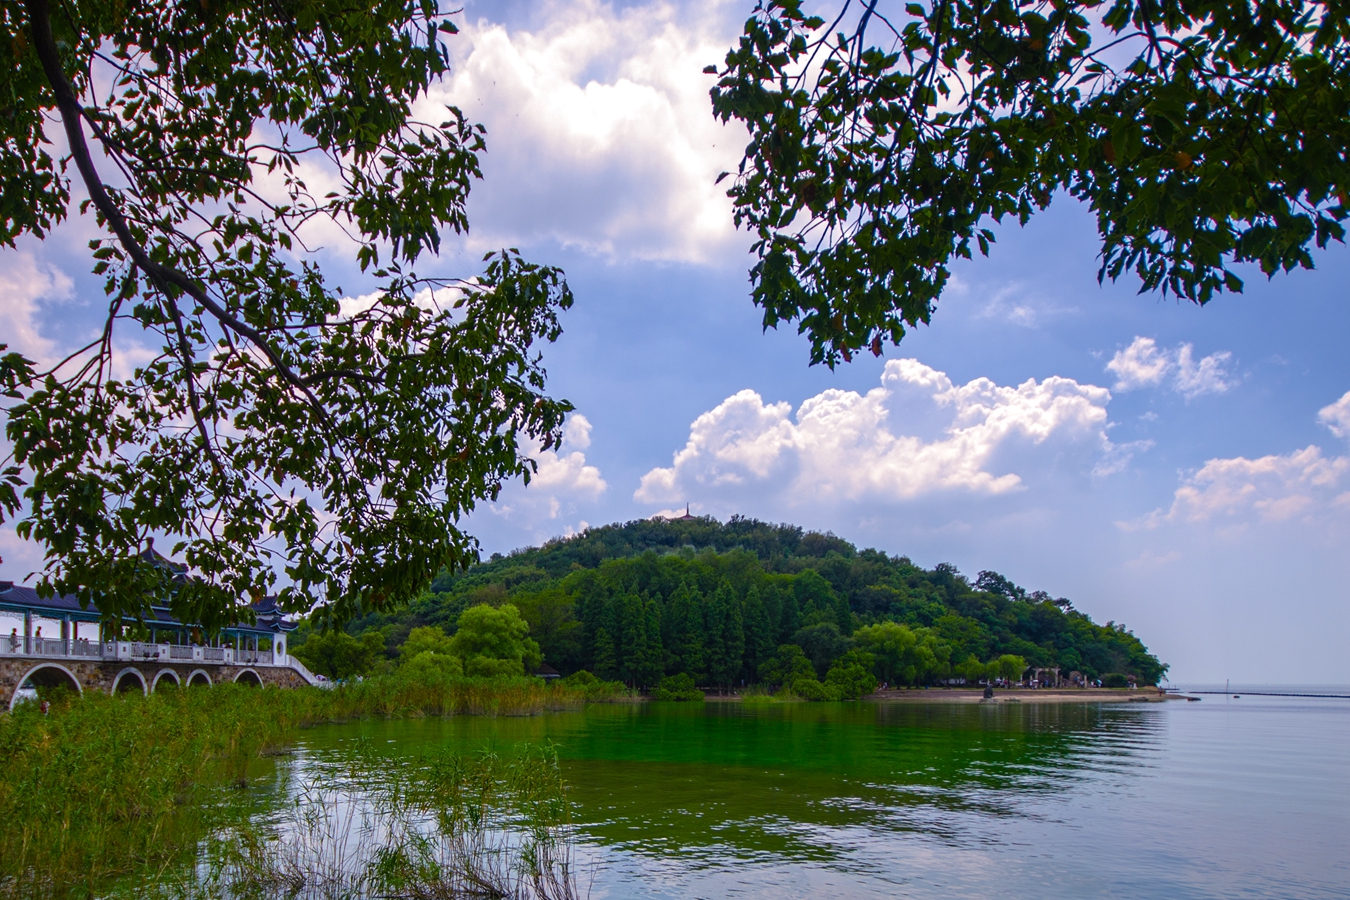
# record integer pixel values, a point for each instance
(105, 788)
(486, 826)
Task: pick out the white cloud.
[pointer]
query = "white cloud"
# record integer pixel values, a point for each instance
(1143, 364)
(562, 483)
(599, 130)
(1337, 416)
(1019, 304)
(841, 445)
(24, 285)
(1116, 457)
(1205, 377)
(566, 473)
(1273, 488)
(1139, 365)
(577, 432)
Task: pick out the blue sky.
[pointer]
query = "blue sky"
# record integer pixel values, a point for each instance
(1182, 470)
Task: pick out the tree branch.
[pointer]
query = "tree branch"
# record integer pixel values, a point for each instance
(72, 113)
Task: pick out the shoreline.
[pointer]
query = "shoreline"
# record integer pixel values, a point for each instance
(1025, 695)
(1007, 695)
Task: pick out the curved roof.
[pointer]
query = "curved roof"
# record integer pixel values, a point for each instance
(21, 598)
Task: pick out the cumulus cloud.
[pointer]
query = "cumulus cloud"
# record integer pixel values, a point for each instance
(841, 445)
(1143, 364)
(1272, 488)
(599, 131)
(1337, 416)
(1139, 365)
(25, 285)
(562, 484)
(1305, 484)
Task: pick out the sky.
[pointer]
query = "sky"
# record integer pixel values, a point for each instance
(1182, 470)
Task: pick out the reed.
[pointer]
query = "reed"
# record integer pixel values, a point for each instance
(486, 826)
(104, 787)
(108, 789)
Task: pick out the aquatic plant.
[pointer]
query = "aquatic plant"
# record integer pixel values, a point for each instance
(447, 826)
(107, 788)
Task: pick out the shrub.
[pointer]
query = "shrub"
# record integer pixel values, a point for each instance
(787, 664)
(497, 635)
(595, 689)
(851, 680)
(428, 638)
(429, 665)
(808, 688)
(338, 655)
(487, 667)
(1115, 680)
(677, 687)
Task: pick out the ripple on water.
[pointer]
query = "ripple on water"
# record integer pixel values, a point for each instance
(1176, 800)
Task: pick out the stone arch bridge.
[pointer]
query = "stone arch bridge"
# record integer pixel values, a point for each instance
(174, 654)
(82, 675)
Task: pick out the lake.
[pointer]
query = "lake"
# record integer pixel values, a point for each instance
(1222, 798)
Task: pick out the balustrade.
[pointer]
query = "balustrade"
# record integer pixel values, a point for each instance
(141, 650)
(132, 651)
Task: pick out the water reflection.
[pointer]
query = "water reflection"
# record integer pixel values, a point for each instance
(721, 784)
(1181, 800)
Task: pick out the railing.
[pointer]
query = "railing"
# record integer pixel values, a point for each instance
(86, 648)
(306, 674)
(135, 651)
(141, 650)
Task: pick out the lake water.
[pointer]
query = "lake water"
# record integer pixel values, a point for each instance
(1222, 798)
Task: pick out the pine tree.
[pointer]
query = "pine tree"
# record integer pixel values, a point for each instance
(604, 661)
(759, 643)
(843, 616)
(631, 646)
(733, 638)
(687, 628)
(789, 621)
(725, 642)
(653, 659)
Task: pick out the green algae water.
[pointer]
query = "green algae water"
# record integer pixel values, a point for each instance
(1222, 798)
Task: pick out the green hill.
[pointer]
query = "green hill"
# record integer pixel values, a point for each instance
(652, 598)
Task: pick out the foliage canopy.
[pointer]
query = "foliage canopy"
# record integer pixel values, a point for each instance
(884, 141)
(750, 602)
(277, 424)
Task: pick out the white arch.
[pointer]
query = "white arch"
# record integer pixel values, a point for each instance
(165, 673)
(242, 672)
(79, 688)
(130, 670)
(202, 672)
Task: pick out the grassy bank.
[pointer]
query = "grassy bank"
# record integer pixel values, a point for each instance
(105, 788)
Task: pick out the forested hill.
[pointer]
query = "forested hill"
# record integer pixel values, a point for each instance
(657, 597)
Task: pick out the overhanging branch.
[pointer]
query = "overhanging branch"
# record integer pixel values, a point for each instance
(72, 114)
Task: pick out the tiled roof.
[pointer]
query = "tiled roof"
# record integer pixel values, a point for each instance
(18, 597)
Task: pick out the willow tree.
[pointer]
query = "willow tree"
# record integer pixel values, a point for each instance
(280, 435)
(886, 140)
